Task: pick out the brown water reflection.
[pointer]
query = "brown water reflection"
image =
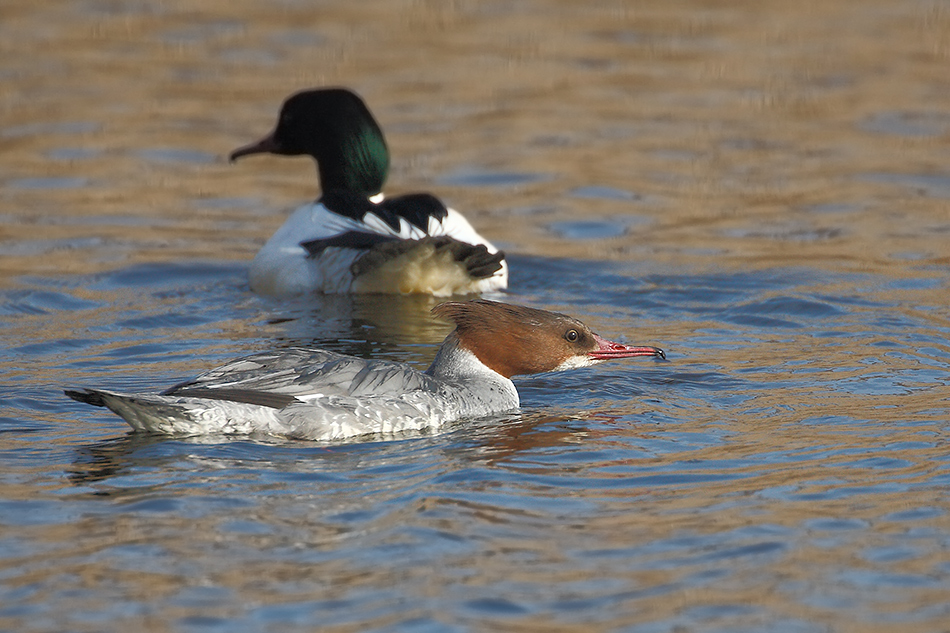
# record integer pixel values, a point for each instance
(767, 132)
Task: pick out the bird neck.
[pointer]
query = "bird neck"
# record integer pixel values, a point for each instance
(358, 162)
(488, 391)
(454, 362)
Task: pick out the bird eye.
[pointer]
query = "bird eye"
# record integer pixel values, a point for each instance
(571, 335)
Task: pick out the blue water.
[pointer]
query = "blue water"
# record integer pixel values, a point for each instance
(785, 468)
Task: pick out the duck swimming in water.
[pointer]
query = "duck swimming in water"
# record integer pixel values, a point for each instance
(320, 395)
(353, 238)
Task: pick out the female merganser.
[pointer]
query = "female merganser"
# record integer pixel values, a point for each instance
(353, 239)
(319, 395)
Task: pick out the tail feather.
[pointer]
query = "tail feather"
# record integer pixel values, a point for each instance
(482, 264)
(88, 396)
(200, 412)
(141, 411)
(476, 259)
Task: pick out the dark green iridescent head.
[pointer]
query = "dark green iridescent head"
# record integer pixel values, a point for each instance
(335, 127)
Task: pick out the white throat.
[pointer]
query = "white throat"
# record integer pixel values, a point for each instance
(459, 366)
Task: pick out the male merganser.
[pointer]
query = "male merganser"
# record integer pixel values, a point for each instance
(320, 395)
(353, 239)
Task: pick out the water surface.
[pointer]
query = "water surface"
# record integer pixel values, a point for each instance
(755, 189)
